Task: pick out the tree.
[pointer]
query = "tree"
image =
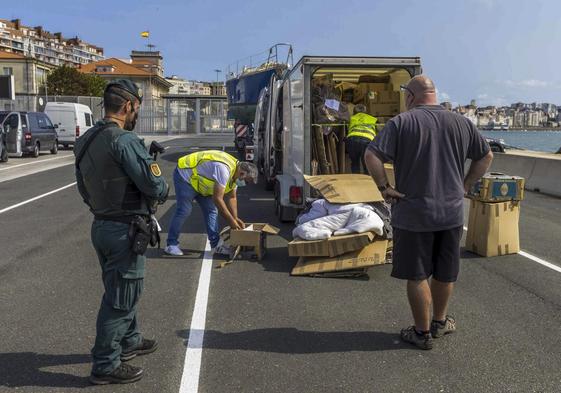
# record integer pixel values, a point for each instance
(96, 85)
(68, 81)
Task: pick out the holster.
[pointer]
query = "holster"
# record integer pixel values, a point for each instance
(140, 234)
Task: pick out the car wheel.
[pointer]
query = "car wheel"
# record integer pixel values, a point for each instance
(54, 150)
(36, 150)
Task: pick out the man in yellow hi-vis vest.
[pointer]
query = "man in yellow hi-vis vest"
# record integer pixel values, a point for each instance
(211, 177)
(362, 130)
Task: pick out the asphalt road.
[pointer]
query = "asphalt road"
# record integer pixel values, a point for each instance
(265, 330)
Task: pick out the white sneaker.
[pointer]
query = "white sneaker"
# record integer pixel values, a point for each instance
(173, 250)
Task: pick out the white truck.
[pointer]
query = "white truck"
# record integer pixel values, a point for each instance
(284, 119)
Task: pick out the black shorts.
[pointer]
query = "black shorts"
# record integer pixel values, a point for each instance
(420, 255)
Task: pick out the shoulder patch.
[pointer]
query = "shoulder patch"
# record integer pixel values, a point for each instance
(155, 169)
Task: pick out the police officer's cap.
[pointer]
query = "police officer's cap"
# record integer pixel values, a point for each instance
(126, 85)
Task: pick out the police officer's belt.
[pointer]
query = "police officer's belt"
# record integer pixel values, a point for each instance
(123, 219)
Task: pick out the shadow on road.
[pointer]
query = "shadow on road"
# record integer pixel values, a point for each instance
(24, 369)
(294, 341)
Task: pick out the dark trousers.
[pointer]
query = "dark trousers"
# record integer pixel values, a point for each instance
(123, 281)
(356, 146)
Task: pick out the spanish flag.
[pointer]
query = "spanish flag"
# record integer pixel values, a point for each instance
(145, 34)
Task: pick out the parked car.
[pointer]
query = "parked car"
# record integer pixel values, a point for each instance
(72, 119)
(28, 133)
(496, 145)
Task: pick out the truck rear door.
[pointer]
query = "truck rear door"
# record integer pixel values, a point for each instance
(65, 118)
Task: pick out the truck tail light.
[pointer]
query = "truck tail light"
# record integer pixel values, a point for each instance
(28, 136)
(295, 195)
(77, 131)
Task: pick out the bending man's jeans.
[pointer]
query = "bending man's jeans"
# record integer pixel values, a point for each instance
(185, 194)
(356, 147)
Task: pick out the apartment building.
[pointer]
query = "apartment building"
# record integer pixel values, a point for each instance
(42, 45)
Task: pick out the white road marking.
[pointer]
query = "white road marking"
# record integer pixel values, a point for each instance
(540, 261)
(192, 366)
(536, 259)
(34, 162)
(261, 199)
(36, 198)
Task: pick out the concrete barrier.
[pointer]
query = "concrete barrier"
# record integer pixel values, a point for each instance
(542, 173)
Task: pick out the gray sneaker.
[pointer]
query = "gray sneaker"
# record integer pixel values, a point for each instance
(125, 373)
(410, 336)
(438, 330)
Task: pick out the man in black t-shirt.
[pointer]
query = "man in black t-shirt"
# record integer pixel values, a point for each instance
(428, 146)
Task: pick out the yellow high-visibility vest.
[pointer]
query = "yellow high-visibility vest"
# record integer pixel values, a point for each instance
(200, 183)
(364, 125)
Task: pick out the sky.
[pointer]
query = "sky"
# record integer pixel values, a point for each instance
(494, 51)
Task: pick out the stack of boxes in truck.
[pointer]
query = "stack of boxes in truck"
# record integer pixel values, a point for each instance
(333, 104)
(494, 214)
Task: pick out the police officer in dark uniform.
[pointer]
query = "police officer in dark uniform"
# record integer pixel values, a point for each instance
(120, 183)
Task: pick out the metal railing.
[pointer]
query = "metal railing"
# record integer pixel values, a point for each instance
(170, 115)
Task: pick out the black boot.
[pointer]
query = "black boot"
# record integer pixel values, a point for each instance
(125, 373)
(144, 347)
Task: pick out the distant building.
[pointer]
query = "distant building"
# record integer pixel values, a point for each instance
(50, 48)
(187, 87)
(218, 88)
(29, 73)
(144, 68)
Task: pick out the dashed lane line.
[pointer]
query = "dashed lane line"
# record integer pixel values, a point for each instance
(36, 198)
(536, 259)
(35, 162)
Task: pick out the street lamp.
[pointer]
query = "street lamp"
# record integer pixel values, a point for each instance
(217, 72)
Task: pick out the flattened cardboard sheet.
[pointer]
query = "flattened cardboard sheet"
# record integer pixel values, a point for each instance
(373, 254)
(345, 188)
(336, 245)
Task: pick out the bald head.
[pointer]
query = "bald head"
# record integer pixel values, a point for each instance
(420, 91)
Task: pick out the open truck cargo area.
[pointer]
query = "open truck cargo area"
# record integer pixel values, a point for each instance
(302, 118)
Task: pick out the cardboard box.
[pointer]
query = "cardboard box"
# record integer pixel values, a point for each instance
(494, 187)
(493, 228)
(334, 246)
(253, 236)
(363, 89)
(388, 97)
(345, 188)
(375, 109)
(373, 254)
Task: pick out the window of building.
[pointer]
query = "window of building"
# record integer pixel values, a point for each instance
(8, 71)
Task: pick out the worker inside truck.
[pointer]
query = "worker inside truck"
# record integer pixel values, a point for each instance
(210, 177)
(362, 131)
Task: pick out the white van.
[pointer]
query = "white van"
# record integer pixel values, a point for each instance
(71, 120)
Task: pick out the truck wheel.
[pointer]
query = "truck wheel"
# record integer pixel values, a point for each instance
(54, 150)
(269, 184)
(280, 211)
(36, 150)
